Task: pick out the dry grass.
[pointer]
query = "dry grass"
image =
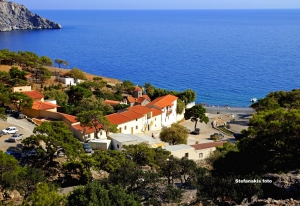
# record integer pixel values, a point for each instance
(88, 76)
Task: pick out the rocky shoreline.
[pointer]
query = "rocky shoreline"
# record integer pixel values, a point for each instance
(17, 17)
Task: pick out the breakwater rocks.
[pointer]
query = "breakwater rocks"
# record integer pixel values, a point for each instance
(17, 17)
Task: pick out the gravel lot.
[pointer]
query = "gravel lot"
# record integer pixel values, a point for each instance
(24, 126)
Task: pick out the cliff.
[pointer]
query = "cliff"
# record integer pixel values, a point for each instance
(17, 17)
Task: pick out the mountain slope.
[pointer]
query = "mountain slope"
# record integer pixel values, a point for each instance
(17, 17)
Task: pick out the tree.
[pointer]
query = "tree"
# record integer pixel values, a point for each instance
(8, 167)
(77, 93)
(176, 134)
(128, 85)
(14, 73)
(109, 161)
(196, 113)
(180, 106)
(4, 76)
(94, 194)
(26, 179)
(45, 194)
(50, 137)
(93, 103)
(42, 74)
(76, 74)
(60, 62)
(21, 100)
(61, 97)
(46, 61)
(97, 120)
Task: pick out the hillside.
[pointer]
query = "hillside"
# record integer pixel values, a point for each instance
(17, 17)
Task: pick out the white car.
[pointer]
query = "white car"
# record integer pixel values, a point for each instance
(9, 130)
(15, 137)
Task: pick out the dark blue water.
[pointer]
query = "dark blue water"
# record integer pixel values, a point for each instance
(226, 56)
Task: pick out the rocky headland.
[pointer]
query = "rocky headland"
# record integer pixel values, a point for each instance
(17, 17)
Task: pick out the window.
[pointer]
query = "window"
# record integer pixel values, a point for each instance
(136, 127)
(200, 155)
(118, 146)
(20, 89)
(125, 127)
(187, 154)
(101, 133)
(155, 119)
(136, 119)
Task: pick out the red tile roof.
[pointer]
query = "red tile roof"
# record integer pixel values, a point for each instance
(117, 118)
(207, 145)
(71, 118)
(140, 100)
(156, 112)
(131, 99)
(112, 102)
(137, 88)
(140, 109)
(146, 97)
(164, 101)
(88, 130)
(131, 115)
(37, 105)
(34, 94)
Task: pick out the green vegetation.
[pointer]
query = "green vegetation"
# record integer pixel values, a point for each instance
(176, 134)
(21, 100)
(60, 62)
(196, 114)
(76, 74)
(187, 96)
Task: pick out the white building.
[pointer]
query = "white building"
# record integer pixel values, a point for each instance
(193, 152)
(119, 140)
(167, 104)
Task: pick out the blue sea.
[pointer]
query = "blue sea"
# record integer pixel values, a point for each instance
(226, 56)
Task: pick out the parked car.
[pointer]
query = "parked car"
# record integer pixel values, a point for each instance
(87, 148)
(17, 155)
(31, 153)
(196, 131)
(10, 130)
(18, 115)
(15, 137)
(217, 136)
(8, 110)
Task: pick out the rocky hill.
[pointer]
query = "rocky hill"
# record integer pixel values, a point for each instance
(17, 17)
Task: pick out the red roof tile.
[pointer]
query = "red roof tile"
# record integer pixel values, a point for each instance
(164, 101)
(112, 102)
(37, 105)
(71, 118)
(117, 118)
(137, 88)
(207, 145)
(131, 115)
(140, 109)
(34, 94)
(88, 130)
(146, 97)
(156, 112)
(131, 99)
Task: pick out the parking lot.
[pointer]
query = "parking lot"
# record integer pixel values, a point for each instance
(24, 127)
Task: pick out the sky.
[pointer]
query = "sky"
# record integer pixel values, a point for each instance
(160, 4)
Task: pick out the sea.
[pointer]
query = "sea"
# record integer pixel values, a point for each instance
(227, 56)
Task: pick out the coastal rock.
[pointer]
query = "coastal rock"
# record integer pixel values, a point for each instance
(17, 17)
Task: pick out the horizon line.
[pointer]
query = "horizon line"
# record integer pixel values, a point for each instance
(173, 9)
